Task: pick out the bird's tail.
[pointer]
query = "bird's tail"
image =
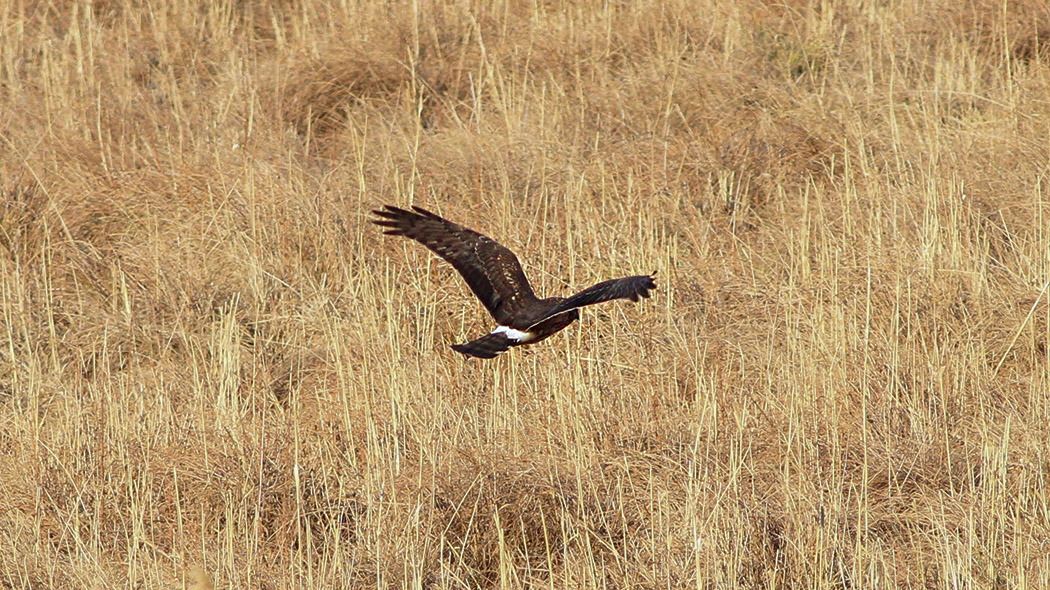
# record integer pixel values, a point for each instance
(486, 347)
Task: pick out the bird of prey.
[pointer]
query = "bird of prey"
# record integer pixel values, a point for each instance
(494, 275)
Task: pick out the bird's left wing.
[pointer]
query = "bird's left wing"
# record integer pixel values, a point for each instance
(491, 271)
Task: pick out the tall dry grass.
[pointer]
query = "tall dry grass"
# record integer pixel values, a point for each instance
(215, 373)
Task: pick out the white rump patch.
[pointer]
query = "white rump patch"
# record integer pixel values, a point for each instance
(511, 333)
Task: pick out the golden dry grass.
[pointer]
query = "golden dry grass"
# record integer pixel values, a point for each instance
(215, 373)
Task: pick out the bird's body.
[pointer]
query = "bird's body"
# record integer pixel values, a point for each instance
(495, 276)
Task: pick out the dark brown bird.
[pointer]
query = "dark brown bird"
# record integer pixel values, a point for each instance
(494, 274)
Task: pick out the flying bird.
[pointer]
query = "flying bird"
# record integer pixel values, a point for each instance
(494, 274)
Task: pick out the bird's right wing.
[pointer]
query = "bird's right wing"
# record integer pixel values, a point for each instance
(624, 288)
(491, 271)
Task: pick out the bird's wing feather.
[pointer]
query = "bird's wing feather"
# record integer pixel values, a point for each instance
(491, 271)
(623, 288)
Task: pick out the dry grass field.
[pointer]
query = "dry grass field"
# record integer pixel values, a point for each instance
(216, 373)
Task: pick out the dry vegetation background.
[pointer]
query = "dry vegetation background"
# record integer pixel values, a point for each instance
(215, 372)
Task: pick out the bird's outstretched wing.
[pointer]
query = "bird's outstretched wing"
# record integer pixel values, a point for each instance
(624, 288)
(491, 271)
